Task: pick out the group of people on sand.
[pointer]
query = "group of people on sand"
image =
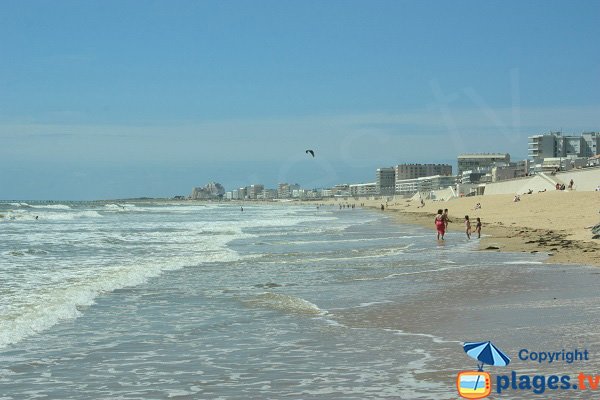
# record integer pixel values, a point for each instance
(559, 186)
(442, 220)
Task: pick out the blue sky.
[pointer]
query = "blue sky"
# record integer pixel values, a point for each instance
(113, 99)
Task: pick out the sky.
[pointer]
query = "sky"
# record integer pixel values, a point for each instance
(118, 99)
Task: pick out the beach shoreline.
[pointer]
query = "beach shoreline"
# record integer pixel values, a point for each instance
(554, 223)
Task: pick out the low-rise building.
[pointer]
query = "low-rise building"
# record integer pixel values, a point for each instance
(341, 190)
(267, 194)
(475, 161)
(409, 187)
(412, 171)
(363, 189)
(502, 171)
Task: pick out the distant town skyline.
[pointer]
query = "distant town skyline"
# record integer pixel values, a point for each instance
(125, 99)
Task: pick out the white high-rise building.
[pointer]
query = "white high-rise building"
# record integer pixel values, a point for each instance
(555, 145)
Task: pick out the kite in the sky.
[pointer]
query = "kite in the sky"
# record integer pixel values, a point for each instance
(312, 153)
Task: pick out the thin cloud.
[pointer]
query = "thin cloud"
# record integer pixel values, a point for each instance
(346, 137)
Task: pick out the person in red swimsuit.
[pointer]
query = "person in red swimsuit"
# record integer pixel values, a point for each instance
(440, 224)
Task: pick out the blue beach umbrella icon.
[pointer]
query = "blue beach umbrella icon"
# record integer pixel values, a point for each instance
(486, 353)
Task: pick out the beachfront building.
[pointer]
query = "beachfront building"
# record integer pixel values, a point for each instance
(341, 190)
(408, 187)
(476, 176)
(591, 144)
(557, 145)
(385, 181)
(496, 172)
(501, 172)
(475, 161)
(554, 151)
(542, 146)
(413, 171)
(363, 189)
(212, 190)
(242, 193)
(267, 194)
(253, 191)
(284, 190)
(305, 194)
(327, 193)
(554, 164)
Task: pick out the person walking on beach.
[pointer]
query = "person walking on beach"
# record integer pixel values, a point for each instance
(478, 228)
(440, 225)
(446, 219)
(468, 226)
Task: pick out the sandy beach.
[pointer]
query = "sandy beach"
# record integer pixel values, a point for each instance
(555, 222)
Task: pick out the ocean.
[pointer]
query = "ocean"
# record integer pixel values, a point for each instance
(159, 300)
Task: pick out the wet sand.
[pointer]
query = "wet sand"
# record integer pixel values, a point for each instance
(521, 305)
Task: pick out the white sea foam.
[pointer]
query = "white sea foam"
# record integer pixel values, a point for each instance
(19, 204)
(69, 215)
(49, 305)
(285, 303)
(372, 303)
(418, 272)
(522, 262)
(58, 214)
(52, 206)
(45, 290)
(435, 339)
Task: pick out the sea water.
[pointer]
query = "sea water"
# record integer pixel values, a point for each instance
(157, 300)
